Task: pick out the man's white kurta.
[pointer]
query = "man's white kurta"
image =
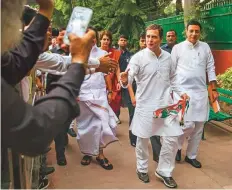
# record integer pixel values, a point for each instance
(96, 126)
(193, 61)
(152, 75)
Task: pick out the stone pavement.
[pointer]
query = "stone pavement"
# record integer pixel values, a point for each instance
(215, 155)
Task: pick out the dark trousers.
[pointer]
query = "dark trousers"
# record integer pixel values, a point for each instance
(60, 142)
(61, 138)
(156, 147)
(131, 110)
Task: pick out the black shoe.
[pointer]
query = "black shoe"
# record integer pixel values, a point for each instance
(143, 176)
(168, 181)
(194, 162)
(133, 144)
(178, 156)
(71, 132)
(133, 139)
(61, 161)
(47, 171)
(44, 183)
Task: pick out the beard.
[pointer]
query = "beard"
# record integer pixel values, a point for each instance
(11, 13)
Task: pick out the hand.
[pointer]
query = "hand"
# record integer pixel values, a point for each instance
(80, 47)
(109, 96)
(46, 8)
(118, 87)
(47, 41)
(215, 95)
(39, 85)
(185, 96)
(107, 64)
(133, 101)
(124, 77)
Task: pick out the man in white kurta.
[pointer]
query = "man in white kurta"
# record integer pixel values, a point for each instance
(153, 70)
(96, 125)
(193, 59)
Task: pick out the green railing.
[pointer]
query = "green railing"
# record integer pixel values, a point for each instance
(216, 3)
(220, 18)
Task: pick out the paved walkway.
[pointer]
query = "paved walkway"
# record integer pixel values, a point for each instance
(215, 155)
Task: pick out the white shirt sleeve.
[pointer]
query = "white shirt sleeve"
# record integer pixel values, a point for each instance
(210, 68)
(133, 67)
(50, 62)
(173, 80)
(53, 62)
(93, 62)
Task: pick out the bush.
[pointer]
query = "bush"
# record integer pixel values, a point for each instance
(225, 80)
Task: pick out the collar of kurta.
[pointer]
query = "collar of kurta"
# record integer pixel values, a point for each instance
(189, 44)
(152, 53)
(94, 48)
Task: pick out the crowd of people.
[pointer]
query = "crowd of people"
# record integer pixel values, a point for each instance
(86, 86)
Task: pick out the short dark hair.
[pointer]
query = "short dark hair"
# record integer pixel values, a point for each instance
(123, 36)
(193, 22)
(96, 33)
(55, 32)
(172, 30)
(142, 35)
(28, 15)
(156, 27)
(62, 28)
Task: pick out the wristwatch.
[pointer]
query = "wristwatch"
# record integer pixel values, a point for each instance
(110, 92)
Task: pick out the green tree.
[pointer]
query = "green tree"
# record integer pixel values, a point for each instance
(120, 17)
(170, 10)
(179, 7)
(192, 10)
(155, 8)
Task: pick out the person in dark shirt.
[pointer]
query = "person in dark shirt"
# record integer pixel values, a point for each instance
(61, 140)
(26, 129)
(171, 40)
(123, 63)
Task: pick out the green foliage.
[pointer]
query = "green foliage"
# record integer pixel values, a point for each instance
(170, 10)
(62, 13)
(196, 13)
(225, 80)
(119, 16)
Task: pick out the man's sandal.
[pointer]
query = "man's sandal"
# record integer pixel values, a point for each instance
(104, 163)
(86, 160)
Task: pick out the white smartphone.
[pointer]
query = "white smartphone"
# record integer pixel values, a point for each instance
(78, 22)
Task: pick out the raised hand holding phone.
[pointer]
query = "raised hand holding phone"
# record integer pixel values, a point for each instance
(78, 22)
